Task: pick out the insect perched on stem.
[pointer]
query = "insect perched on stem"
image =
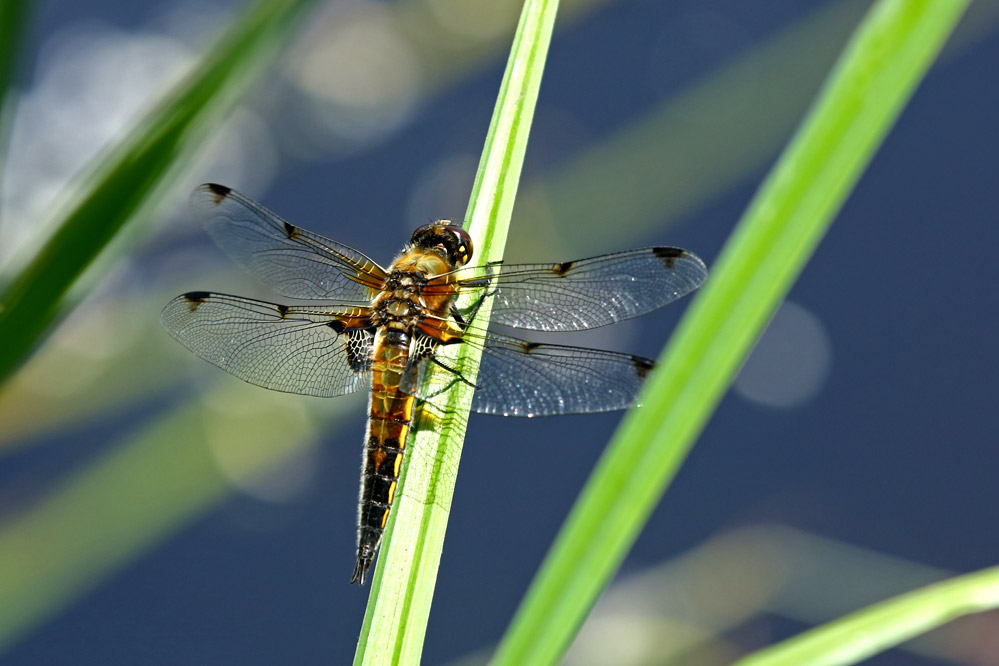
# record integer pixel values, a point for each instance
(379, 328)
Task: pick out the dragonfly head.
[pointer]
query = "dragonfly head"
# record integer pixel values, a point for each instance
(443, 235)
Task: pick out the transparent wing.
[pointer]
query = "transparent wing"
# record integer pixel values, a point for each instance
(311, 351)
(587, 293)
(290, 260)
(520, 378)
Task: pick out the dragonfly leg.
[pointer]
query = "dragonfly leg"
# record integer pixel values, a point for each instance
(472, 311)
(460, 377)
(457, 378)
(474, 308)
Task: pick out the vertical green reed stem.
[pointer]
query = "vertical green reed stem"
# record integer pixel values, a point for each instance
(406, 572)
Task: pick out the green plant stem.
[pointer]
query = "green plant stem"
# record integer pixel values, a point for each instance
(403, 586)
(120, 185)
(884, 61)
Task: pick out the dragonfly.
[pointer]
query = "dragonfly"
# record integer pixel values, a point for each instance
(378, 328)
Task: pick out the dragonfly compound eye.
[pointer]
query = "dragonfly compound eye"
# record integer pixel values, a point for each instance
(460, 248)
(454, 240)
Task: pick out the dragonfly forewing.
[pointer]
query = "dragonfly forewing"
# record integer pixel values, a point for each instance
(290, 260)
(587, 293)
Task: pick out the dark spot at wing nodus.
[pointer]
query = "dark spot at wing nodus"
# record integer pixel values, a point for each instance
(669, 255)
(563, 268)
(282, 310)
(528, 347)
(290, 229)
(195, 299)
(643, 366)
(220, 192)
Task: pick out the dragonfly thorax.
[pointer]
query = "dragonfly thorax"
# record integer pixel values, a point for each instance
(404, 282)
(401, 309)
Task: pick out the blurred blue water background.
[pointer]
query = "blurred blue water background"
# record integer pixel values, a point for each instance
(867, 414)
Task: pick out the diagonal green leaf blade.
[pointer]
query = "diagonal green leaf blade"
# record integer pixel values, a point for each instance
(886, 58)
(402, 591)
(863, 634)
(123, 182)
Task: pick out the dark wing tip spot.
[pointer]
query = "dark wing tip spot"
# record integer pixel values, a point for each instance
(643, 366)
(220, 191)
(669, 255)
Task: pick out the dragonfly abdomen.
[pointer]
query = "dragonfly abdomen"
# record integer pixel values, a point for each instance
(390, 415)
